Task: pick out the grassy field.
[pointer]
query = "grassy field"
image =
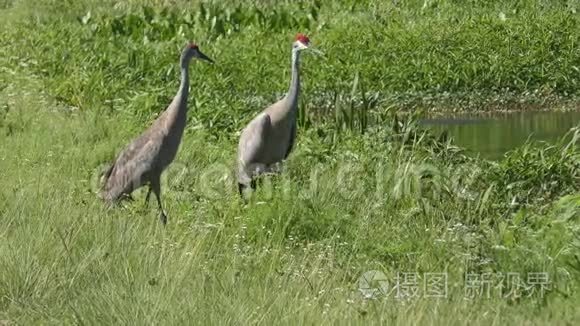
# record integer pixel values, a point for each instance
(456, 239)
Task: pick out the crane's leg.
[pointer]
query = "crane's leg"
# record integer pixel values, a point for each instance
(148, 195)
(156, 188)
(246, 179)
(242, 190)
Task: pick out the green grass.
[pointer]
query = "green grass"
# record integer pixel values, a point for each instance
(447, 56)
(364, 190)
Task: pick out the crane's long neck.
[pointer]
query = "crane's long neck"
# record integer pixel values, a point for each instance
(180, 100)
(294, 90)
(176, 114)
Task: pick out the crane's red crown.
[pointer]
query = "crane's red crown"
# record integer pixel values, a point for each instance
(302, 38)
(193, 45)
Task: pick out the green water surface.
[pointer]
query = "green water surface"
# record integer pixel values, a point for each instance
(494, 135)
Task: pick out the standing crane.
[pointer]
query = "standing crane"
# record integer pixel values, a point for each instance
(269, 137)
(145, 158)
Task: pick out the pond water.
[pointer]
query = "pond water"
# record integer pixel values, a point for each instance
(492, 136)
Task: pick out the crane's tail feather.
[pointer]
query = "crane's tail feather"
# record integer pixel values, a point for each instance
(111, 195)
(103, 179)
(105, 174)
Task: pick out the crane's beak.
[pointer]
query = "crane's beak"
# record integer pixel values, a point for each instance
(316, 51)
(311, 48)
(204, 57)
(307, 46)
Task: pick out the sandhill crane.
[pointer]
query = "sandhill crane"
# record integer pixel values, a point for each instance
(269, 137)
(144, 159)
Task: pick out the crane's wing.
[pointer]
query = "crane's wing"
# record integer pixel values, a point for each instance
(252, 143)
(131, 168)
(253, 138)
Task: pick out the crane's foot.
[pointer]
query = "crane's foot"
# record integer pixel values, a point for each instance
(163, 218)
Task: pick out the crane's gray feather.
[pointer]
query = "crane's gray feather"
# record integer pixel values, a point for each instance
(253, 138)
(132, 167)
(144, 160)
(252, 147)
(269, 138)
